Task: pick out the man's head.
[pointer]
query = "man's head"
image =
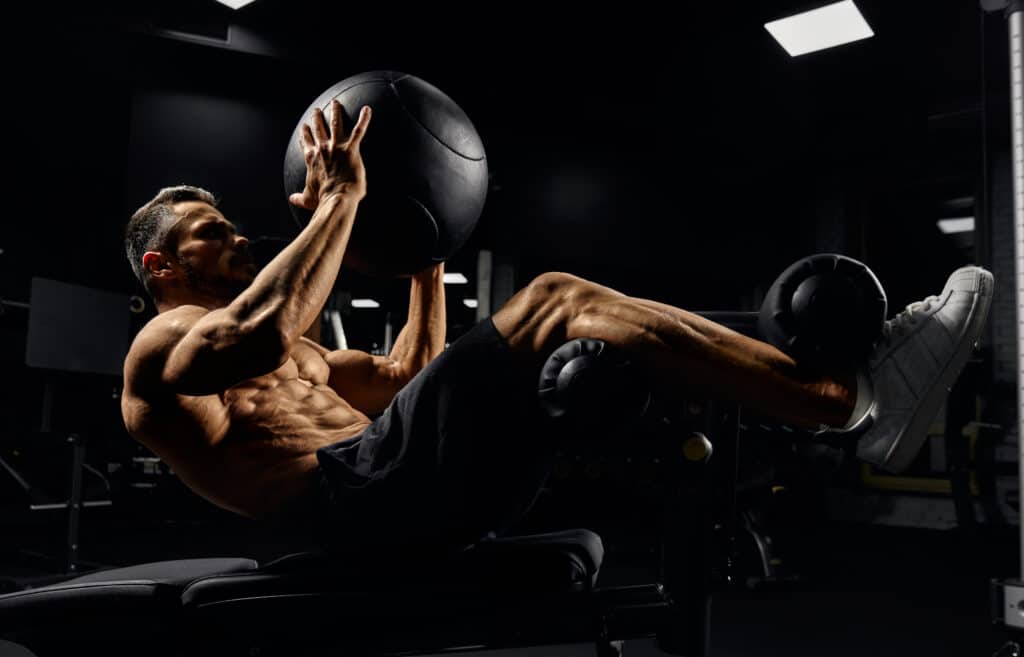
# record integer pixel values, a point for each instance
(183, 250)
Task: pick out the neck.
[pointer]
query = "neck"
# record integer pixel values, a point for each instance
(208, 301)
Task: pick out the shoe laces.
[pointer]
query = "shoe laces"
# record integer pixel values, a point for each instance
(907, 318)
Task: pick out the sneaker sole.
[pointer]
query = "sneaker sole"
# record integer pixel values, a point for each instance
(902, 453)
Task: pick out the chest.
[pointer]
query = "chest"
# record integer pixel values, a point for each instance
(301, 376)
(306, 365)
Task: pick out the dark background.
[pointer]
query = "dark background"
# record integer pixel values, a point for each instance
(676, 153)
(687, 159)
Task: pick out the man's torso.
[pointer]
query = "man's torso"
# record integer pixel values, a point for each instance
(252, 448)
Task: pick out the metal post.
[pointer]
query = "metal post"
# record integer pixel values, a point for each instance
(389, 332)
(1008, 595)
(1016, 23)
(484, 270)
(74, 500)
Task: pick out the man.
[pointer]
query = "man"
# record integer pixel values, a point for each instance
(265, 423)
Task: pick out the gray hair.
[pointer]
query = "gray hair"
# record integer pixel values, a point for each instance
(148, 228)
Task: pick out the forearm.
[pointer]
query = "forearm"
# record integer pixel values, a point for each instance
(290, 291)
(422, 338)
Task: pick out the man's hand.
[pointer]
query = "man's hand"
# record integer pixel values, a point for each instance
(333, 164)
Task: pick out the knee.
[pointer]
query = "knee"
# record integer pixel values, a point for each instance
(557, 287)
(537, 317)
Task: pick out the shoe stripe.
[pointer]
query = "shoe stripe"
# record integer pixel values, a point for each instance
(935, 340)
(907, 384)
(945, 322)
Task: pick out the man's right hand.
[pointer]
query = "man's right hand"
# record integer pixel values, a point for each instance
(333, 163)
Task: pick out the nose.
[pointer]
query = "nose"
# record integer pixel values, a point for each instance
(242, 243)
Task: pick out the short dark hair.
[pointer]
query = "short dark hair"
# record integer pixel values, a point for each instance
(148, 228)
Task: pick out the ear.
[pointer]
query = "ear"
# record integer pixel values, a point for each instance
(158, 265)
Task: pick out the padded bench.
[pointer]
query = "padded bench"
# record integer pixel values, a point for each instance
(503, 592)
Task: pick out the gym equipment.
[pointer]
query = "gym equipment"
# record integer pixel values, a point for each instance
(426, 173)
(591, 382)
(82, 331)
(73, 328)
(1008, 595)
(826, 309)
(504, 592)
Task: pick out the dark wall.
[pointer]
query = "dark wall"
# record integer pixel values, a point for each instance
(684, 160)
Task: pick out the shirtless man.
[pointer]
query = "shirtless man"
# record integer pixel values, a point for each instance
(257, 419)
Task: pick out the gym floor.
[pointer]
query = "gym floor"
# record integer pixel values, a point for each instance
(865, 589)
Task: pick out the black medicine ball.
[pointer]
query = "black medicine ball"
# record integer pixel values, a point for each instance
(426, 173)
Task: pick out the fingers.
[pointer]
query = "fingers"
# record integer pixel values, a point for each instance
(335, 122)
(319, 126)
(360, 128)
(306, 138)
(319, 134)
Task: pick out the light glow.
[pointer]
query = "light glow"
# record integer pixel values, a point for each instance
(455, 278)
(236, 4)
(957, 225)
(365, 303)
(821, 28)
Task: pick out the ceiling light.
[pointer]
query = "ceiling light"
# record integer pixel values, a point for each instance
(825, 27)
(365, 303)
(236, 4)
(958, 225)
(471, 303)
(455, 279)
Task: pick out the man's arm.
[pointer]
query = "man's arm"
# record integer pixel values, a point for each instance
(254, 333)
(370, 382)
(422, 338)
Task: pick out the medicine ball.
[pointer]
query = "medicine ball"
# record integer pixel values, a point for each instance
(426, 173)
(825, 310)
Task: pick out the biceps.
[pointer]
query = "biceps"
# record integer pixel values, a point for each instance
(206, 362)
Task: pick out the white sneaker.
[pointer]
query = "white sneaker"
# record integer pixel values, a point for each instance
(922, 352)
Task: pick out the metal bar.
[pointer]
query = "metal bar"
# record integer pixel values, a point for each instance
(64, 505)
(341, 342)
(1016, 23)
(75, 501)
(484, 271)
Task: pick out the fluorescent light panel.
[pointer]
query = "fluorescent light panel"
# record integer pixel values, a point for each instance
(236, 4)
(818, 29)
(455, 279)
(471, 303)
(365, 303)
(957, 225)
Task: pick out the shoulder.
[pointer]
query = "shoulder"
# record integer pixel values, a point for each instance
(305, 342)
(149, 350)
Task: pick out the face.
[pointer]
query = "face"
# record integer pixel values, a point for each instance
(214, 259)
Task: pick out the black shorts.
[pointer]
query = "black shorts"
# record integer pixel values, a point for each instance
(461, 453)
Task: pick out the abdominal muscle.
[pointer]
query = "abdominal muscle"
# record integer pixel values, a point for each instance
(257, 444)
(275, 432)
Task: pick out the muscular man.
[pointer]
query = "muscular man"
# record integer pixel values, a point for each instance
(263, 422)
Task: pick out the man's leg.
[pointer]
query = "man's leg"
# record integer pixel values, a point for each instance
(684, 351)
(889, 402)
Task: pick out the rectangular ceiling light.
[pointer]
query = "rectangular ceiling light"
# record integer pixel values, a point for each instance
(365, 303)
(455, 279)
(958, 225)
(236, 4)
(825, 27)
